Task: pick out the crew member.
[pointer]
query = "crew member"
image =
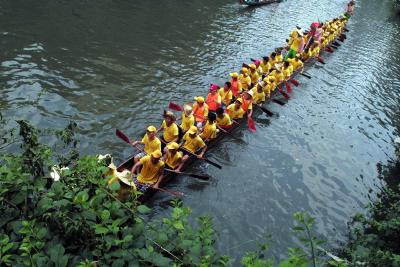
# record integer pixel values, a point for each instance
(236, 86)
(235, 110)
(213, 99)
(200, 110)
(210, 128)
(226, 94)
(223, 120)
(192, 143)
(245, 79)
(187, 118)
(150, 141)
(258, 93)
(149, 171)
(172, 157)
(169, 128)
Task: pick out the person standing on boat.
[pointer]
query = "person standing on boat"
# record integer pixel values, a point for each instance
(172, 157)
(296, 44)
(349, 9)
(213, 99)
(187, 118)
(191, 144)
(149, 170)
(235, 110)
(210, 128)
(225, 94)
(150, 141)
(236, 86)
(169, 128)
(200, 111)
(223, 119)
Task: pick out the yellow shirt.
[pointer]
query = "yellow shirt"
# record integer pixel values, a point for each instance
(225, 96)
(171, 132)
(173, 161)
(270, 87)
(150, 172)
(295, 63)
(245, 82)
(254, 77)
(193, 144)
(258, 97)
(278, 58)
(265, 67)
(235, 113)
(151, 146)
(288, 71)
(187, 121)
(224, 121)
(209, 131)
(278, 76)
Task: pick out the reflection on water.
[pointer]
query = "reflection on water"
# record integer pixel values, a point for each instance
(116, 64)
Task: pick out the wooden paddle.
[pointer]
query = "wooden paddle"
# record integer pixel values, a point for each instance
(305, 75)
(251, 125)
(231, 135)
(321, 60)
(205, 159)
(288, 87)
(265, 110)
(294, 82)
(195, 175)
(283, 93)
(177, 194)
(278, 102)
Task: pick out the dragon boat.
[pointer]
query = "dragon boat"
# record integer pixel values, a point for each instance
(257, 111)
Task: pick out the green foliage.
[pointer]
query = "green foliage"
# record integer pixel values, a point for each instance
(79, 221)
(374, 239)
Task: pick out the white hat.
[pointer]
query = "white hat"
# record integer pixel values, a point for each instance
(250, 92)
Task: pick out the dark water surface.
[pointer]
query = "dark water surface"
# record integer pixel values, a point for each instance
(116, 64)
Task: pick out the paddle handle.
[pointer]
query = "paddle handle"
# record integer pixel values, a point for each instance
(177, 194)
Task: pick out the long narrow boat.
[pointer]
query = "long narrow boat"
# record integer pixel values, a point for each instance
(258, 2)
(256, 112)
(169, 176)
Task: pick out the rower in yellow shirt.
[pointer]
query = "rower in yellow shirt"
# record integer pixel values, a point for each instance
(169, 128)
(150, 141)
(265, 65)
(269, 86)
(226, 94)
(245, 79)
(191, 144)
(147, 172)
(258, 93)
(223, 119)
(277, 74)
(172, 157)
(235, 110)
(187, 118)
(254, 74)
(278, 57)
(210, 128)
(287, 70)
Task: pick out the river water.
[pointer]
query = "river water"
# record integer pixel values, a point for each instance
(116, 64)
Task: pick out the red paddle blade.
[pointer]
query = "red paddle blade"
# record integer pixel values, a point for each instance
(295, 82)
(251, 125)
(288, 87)
(283, 93)
(175, 107)
(122, 136)
(320, 59)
